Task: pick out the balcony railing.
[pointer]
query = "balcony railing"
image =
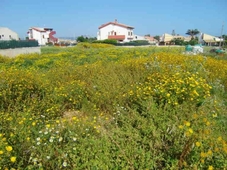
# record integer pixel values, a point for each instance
(116, 37)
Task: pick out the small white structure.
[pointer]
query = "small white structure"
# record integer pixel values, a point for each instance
(42, 35)
(138, 37)
(8, 34)
(116, 31)
(197, 49)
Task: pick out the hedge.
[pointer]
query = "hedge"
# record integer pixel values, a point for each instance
(134, 43)
(18, 44)
(107, 41)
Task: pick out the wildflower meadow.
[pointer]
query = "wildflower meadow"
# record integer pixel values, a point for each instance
(97, 106)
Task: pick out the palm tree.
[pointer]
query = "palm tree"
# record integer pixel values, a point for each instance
(192, 32)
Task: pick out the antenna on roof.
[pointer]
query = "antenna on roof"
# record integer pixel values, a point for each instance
(173, 33)
(115, 20)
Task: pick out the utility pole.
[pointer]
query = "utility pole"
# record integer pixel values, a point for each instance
(221, 34)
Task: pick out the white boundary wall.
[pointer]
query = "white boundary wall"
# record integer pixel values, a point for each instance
(13, 52)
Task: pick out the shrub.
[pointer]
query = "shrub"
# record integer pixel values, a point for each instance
(134, 43)
(94, 45)
(107, 41)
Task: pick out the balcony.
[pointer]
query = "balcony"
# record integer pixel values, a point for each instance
(116, 37)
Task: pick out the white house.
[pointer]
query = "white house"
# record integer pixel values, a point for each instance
(7, 34)
(116, 31)
(138, 37)
(42, 35)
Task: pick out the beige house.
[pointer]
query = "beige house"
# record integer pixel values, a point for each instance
(151, 40)
(209, 40)
(8, 34)
(166, 39)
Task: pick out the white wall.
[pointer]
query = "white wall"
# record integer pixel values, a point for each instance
(105, 31)
(17, 51)
(137, 37)
(7, 34)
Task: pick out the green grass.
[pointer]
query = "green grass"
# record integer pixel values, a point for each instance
(113, 108)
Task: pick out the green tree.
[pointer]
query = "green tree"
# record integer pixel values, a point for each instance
(177, 41)
(157, 37)
(81, 39)
(192, 32)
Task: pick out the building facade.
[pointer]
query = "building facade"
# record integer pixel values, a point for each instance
(116, 31)
(209, 40)
(42, 35)
(8, 34)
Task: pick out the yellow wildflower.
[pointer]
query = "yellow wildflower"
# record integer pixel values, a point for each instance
(195, 116)
(209, 152)
(190, 130)
(1, 152)
(203, 154)
(9, 148)
(198, 144)
(219, 138)
(210, 168)
(215, 115)
(13, 159)
(187, 124)
(180, 127)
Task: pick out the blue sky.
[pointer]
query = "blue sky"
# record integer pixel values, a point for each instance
(71, 18)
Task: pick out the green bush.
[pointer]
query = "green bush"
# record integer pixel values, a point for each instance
(134, 43)
(107, 41)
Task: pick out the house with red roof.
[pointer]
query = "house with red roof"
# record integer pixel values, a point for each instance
(117, 31)
(42, 35)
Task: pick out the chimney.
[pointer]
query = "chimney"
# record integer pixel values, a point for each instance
(115, 20)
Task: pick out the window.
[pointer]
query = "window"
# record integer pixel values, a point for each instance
(0, 36)
(10, 37)
(129, 33)
(43, 36)
(115, 33)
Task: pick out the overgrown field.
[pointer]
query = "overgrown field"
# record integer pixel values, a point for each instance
(103, 107)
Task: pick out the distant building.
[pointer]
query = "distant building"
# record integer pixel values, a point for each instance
(209, 40)
(42, 35)
(116, 31)
(166, 39)
(151, 40)
(8, 34)
(138, 37)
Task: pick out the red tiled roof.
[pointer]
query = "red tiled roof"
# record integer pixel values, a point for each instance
(116, 37)
(116, 23)
(149, 38)
(37, 29)
(41, 29)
